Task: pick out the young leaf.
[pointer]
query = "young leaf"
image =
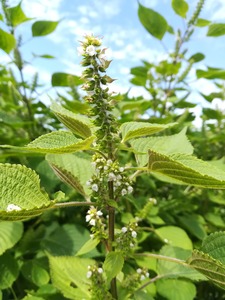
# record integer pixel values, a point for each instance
(59, 142)
(77, 123)
(186, 169)
(40, 28)
(180, 7)
(17, 15)
(202, 22)
(174, 236)
(213, 269)
(10, 234)
(113, 264)
(73, 170)
(68, 274)
(9, 270)
(7, 41)
(177, 143)
(64, 79)
(131, 130)
(20, 193)
(88, 246)
(216, 29)
(153, 22)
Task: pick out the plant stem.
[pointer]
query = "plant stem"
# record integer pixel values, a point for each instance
(162, 257)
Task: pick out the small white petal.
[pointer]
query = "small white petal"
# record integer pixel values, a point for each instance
(92, 222)
(139, 270)
(123, 192)
(134, 234)
(142, 277)
(130, 189)
(88, 218)
(99, 213)
(90, 50)
(124, 229)
(121, 169)
(89, 273)
(147, 274)
(100, 270)
(95, 187)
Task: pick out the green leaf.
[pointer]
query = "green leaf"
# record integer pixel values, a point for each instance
(216, 29)
(180, 7)
(176, 289)
(202, 22)
(65, 79)
(211, 74)
(194, 224)
(197, 57)
(20, 186)
(17, 15)
(174, 236)
(113, 264)
(153, 22)
(213, 269)
(214, 245)
(173, 269)
(40, 28)
(177, 143)
(7, 41)
(73, 169)
(132, 130)
(59, 142)
(69, 276)
(88, 246)
(77, 123)
(186, 169)
(9, 270)
(10, 234)
(35, 273)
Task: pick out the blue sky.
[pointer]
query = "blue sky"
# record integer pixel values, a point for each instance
(117, 22)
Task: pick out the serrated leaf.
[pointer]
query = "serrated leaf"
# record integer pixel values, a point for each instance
(10, 234)
(113, 264)
(153, 22)
(69, 276)
(132, 130)
(20, 186)
(173, 269)
(73, 169)
(7, 41)
(213, 269)
(65, 79)
(88, 246)
(77, 123)
(174, 236)
(59, 142)
(9, 270)
(180, 7)
(177, 143)
(176, 289)
(186, 169)
(17, 15)
(214, 245)
(41, 28)
(216, 29)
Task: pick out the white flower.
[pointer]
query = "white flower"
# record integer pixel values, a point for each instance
(109, 162)
(90, 50)
(89, 273)
(95, 187)
(100, 270)
(88, 183)
(111, 176)
(80, 50)
(121, 169)
(129, 189)
(102, 58)
(92, 222)
(12, 207)
(119, 177)
(123, 192)
(134, 234)
(142, 277)
(147, 274)
(131, 245)
(106, 168)
(139, 270)
(92, 236)
(88, 218)
(124, 229)
(99, 213)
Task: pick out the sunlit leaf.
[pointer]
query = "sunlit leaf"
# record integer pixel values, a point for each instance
(17, 15)
(180, 7)
(113, 264)
(77, 123)
(65, 79)
(88, 246)
(132, 130)
(59, 142)
(202, 22)
(216, 29)
(40, 28)
(153, 22)
(7, 41)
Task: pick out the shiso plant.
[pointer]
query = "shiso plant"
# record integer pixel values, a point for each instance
(102, 158)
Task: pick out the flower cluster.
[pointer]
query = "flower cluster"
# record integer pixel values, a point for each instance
(143, 274)
(107, 171)
(134, 280)
(99, 288)
(126, 238)
(98, 96)
(95, 218)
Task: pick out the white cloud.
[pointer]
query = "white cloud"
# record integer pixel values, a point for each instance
(216, 9)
